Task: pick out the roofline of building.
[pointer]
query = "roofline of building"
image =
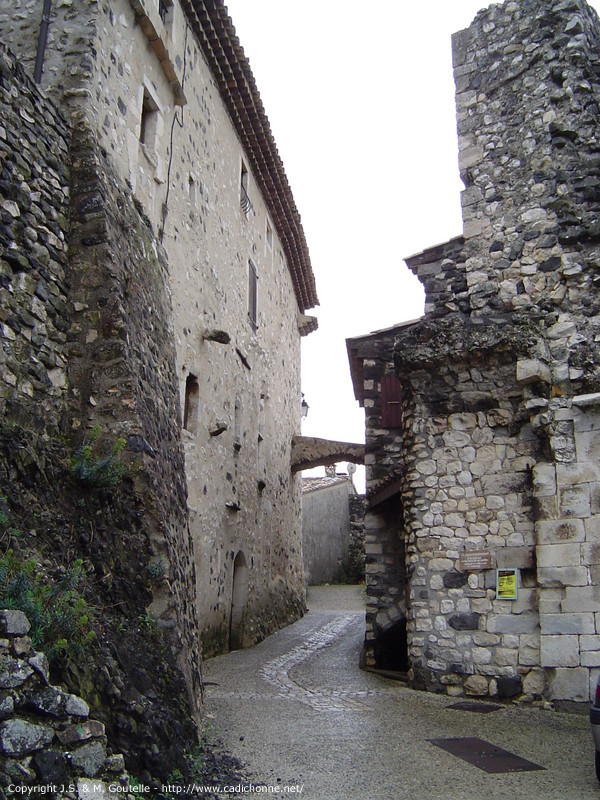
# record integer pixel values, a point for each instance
(355, 359)
(216, 34)
(430, 254)
(339, 480)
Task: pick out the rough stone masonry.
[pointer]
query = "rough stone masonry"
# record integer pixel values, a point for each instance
(495, 462)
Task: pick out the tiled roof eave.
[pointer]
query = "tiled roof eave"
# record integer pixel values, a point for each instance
(217, 37)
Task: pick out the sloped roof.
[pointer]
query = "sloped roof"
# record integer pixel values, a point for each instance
(314, 484)
(371, 345)
(216, 34)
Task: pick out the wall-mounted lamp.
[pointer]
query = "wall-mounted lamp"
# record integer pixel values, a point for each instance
(304, 408)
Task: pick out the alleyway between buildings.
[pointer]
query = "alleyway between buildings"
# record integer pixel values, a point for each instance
(297, 711)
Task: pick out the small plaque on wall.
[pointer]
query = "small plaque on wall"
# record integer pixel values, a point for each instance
(475, 560)
(507, 582)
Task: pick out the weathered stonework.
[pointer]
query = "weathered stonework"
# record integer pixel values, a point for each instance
(72, 357)
(154, 278)
(497, 449)
(46, 735)
(133, 76)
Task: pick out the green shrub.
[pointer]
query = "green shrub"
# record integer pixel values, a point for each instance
(7, 531)
(90, 466)
(60, 617)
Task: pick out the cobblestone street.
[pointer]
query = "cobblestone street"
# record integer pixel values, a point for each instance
(298, 712)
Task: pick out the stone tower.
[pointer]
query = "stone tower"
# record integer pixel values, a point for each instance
(496, 453)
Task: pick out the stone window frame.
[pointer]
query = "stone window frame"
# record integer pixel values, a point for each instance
(166, 12)
(150, 114)
(237, 423)
(191, 406)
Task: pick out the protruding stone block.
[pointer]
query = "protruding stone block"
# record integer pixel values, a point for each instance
(531, 370)
(477, 686)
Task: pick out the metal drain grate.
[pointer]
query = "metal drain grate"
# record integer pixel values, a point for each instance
(484, 755)
(476, 708)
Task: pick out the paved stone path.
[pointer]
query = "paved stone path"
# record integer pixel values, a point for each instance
(299, 713)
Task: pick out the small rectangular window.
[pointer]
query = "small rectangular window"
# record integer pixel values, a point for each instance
(148, 121)
(165, 10)
(192, 191)
(192, 404)
(244, 184)
(391, 402)
(252, 295)
(269, 236)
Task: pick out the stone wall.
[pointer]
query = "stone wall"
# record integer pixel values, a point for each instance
(122, 372)
(47, 737)
(118, 69)
(372, 358)
(358, 509)
(113, 65)
(495, 465)
(326, 529)
(35, 280)
(87, 340)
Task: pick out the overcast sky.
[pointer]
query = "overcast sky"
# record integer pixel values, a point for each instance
(360, 98)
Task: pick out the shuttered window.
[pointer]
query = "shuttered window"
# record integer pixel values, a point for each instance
(391, 402)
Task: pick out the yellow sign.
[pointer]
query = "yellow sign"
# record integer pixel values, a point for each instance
(506, 584)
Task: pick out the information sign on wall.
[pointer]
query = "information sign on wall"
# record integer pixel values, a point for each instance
(475, 560)
(507, 581)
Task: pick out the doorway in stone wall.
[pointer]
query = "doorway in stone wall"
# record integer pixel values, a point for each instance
(239, 597)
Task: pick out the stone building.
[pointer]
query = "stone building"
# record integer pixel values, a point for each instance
(326, 528)
(162, 102)
(482, 417)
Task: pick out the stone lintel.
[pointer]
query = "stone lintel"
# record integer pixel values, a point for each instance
(309, 452)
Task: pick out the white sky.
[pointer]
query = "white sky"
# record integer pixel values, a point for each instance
(360, 97)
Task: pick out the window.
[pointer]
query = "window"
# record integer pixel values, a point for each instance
(269, 236)
(165, 10)
(244, 198)
(391, 402)
(192, 404)
(148, 121)
(252, 295)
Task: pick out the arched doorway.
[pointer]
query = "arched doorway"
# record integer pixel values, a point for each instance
(239, 596)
